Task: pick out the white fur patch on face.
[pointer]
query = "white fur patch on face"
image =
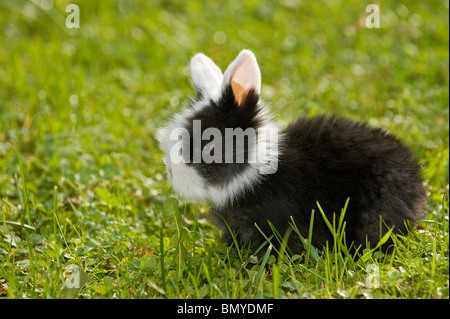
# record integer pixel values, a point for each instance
(185, 180)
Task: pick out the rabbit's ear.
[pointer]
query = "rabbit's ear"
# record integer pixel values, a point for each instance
(243, 76)
(206, 75)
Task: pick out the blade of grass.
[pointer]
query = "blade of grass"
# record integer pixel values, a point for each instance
(267, 238)
(368, 254)
(20, 224)
(4, 219)
(25, 190)
(55, 208)
(276, 267)
(181, 251)
(259, 275)
(233, 236)
(282, 240)
(161, 259)
(276, 280)
(307, 244)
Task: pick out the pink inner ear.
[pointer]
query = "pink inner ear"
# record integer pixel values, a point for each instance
(245, 77)
(239, 92)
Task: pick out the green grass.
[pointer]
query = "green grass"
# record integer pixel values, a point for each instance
(81, 176)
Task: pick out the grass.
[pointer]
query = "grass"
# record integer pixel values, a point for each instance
(81, 177)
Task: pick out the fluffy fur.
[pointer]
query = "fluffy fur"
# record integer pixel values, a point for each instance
(320, 159)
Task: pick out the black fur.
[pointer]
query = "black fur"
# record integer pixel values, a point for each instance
(223, 114)
(327, 160)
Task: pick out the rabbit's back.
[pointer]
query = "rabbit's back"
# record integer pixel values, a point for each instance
(328, 160)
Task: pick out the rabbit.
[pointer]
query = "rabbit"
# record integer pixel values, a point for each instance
(322, 159)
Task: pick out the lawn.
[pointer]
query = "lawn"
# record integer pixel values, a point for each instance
(82, 182)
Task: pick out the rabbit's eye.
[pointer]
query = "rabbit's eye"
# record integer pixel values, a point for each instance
(208, 148)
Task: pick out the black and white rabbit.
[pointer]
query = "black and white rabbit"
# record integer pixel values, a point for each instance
(320, 159)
